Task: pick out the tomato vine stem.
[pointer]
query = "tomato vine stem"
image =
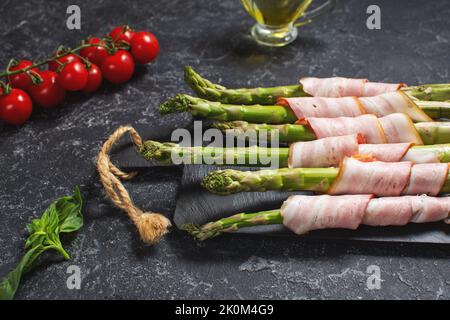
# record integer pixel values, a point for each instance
(7, 72)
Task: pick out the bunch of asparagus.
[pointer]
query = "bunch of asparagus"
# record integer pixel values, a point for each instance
(245, 109)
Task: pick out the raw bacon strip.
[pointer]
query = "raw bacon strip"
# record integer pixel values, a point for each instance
(391, 211)
(305, 213)
(376, 88)
(379, 178)
(336, 87)
(304, 107)
(424, 155)
(399, 211)
(368, 125)
(427, 178)
(393, 102)
(429, 209)
(398, 127)
(302, 213)
(322, 153)
(392, 152)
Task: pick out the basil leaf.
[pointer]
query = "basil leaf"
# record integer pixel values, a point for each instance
(9, 284)
(69, 212)
(63, 215)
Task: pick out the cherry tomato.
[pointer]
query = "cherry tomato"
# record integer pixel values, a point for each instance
(122, 33)
(95, 79)
(49, 93)
(94, 54)
(119, 67)
(15, 107)
(74, 76)
(144, 47)
(21, 80)
(53, 65)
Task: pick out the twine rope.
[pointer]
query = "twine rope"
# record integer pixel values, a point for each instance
(151, 225)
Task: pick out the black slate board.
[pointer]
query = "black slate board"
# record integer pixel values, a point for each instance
(196, 205)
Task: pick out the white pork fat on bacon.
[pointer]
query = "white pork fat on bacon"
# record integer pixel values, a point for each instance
(336, 87)
(427, 178)
(389, 178)
(302, 213)
(318, 107)
(322, 153)
(368, 125)
(394, 128)
(381, 105)
(329, 152)
(393, 102)
(380, 178)
(398, 127)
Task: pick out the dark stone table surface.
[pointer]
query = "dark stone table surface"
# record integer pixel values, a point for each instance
(57, 149)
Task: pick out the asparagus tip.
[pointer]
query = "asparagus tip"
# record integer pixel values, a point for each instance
(156, 150)
(178, 104)
(199, 84)
(221, 182)
(230, 125)
(193, 79)
(201, 232)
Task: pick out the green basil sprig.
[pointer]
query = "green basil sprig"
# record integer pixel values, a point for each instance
(62, 216)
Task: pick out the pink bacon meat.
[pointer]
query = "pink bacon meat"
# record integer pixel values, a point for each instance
(393, 102)
(427, 178)
(368, 125)
(329, 152)
(322, 153)
(381, 105)
(389, 178)
(304, 107)
(380, 178)
(302, 213)
(336, 87)
(394, 128)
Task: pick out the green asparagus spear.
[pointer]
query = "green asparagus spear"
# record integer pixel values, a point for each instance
(233, 223)
(287, 132)
(267, 96)
(430, 132)
(208, 90)
(429, 92)
(172, 153)
(229, 181)
(274, 114)
(227, 112)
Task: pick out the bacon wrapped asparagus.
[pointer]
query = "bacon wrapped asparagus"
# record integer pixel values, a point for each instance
(352, 177)
(302, 214)
(319, 153)
(326, 87)
(394, 128)
(297, 109)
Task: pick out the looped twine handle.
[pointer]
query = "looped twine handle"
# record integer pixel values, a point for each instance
(151, 225)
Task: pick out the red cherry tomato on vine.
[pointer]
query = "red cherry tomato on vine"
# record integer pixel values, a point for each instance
(119, 67)
(95, 79)
(94, 54)
(49, 93)
(73, 76)
(54, 65)
(15, 107)
(122, 33)
(144, 47)
(21, 80)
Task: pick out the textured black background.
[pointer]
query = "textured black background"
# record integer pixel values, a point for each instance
(56, 150)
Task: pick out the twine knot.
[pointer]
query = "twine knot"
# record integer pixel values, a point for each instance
(152, 226)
